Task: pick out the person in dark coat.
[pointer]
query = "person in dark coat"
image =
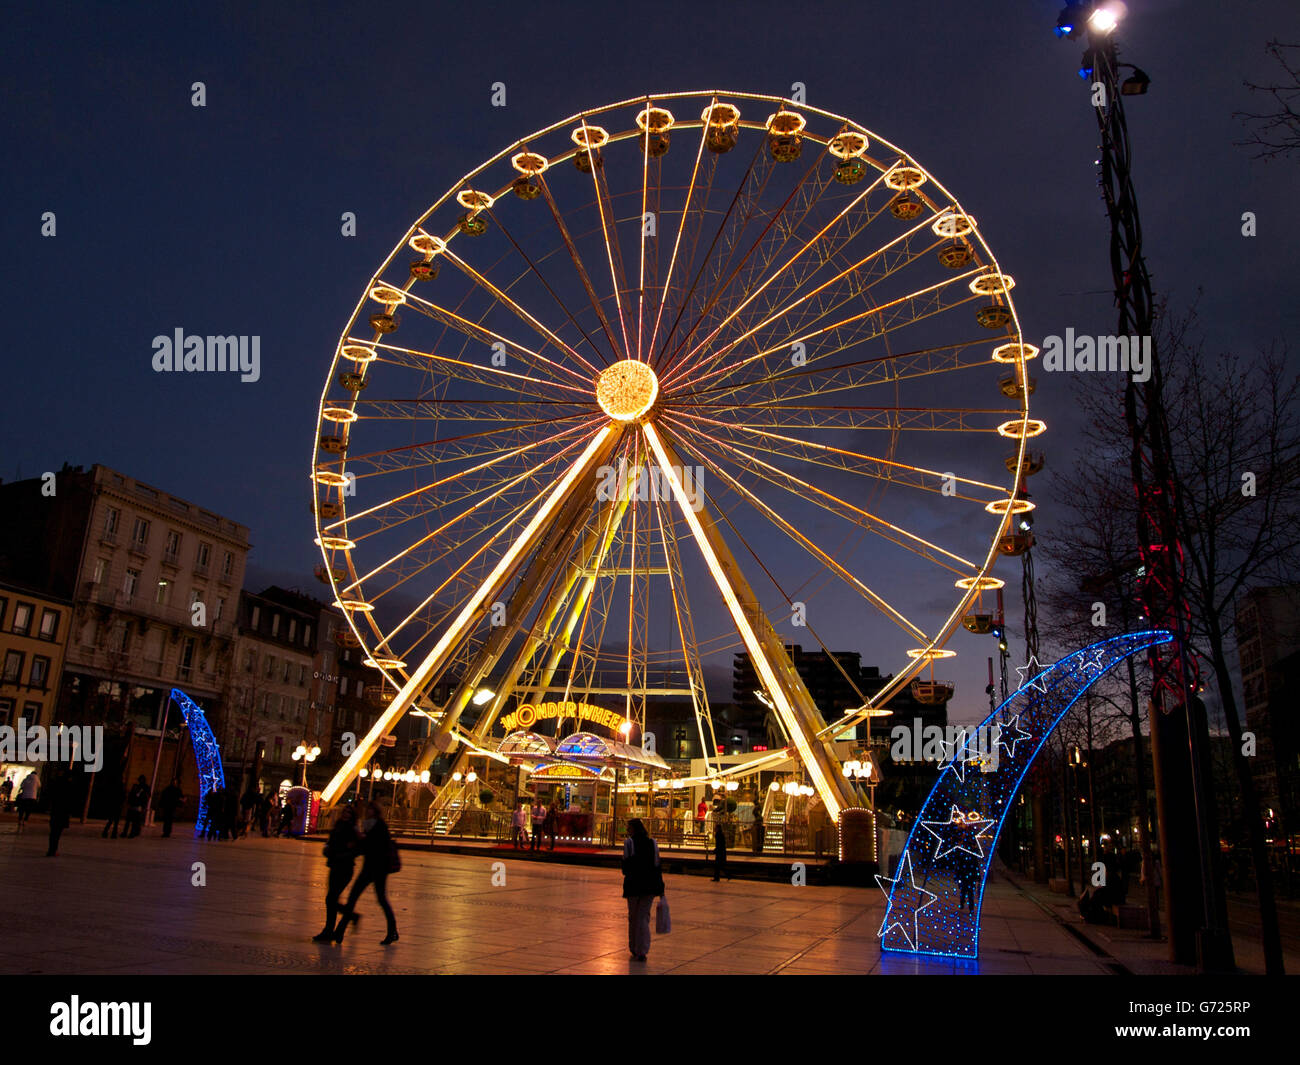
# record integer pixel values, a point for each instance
(341, 856)
(759, 830)
(287, 812)
(168, 800)
(116, 798)
(719, 853)
(59, 792)
(643, 882)
(377, 852)
(137, 802)
(230, 822)
(264, 814)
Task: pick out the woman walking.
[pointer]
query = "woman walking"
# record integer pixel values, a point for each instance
(643, 882)
(378, 860)
(341, 856)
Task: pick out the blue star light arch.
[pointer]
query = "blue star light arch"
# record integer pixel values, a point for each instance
(937, 892)
(207, 754)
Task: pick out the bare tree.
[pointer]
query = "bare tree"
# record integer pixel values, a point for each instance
(1276, 132)
(1235, 434)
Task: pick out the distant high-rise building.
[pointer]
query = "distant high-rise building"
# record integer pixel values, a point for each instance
(1268, 651)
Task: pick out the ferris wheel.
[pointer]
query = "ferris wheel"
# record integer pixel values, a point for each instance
(679, 377)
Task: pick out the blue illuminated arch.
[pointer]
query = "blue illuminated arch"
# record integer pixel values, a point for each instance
(955, 835)
(206, 753)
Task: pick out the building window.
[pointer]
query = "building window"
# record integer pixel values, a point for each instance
(110, 523)
(32, 711)
(270, 665)
(196, 596)
(250, 661)
(22, 618)
(343, 685)
(306, 635)
(40, 674)
(130, 583)
(266, 703)
(49, 624)
(302, 676)
(293, 628)
(187, 658)
(6, 711)
(221, 609)
(140, 533)
(255, 617)
(118, 639)
(202, 556)
(161, 597)
(286, 672)
(101, 570)
(275, 624)
(13, 667)
(228, 566)
(173, 549)
(361, 689)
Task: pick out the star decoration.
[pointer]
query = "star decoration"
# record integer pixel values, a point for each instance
(955, 755)
(902, 905)
(958, 833)
(1035, 670)
(1094, 664)
(1011, 727)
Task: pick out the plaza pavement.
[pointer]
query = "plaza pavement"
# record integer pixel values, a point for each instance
(128, 906)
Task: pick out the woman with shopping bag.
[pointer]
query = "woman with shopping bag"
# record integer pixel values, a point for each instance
(643, 882)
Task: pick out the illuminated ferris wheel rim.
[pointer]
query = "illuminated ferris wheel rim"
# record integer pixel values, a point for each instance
(331, 536)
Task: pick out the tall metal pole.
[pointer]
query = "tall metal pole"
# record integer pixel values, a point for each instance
(162, 736)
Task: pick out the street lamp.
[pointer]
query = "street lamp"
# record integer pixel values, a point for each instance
(304, 754)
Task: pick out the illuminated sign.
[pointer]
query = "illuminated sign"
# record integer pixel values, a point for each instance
(527, 716)
(564, 770)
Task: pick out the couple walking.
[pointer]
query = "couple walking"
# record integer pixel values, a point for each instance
(379, 857)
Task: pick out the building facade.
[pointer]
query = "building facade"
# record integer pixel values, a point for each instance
(153, 581)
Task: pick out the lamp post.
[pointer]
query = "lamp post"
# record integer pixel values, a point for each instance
(304, 754)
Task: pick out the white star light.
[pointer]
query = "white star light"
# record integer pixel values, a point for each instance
(958, 827)
(1011, 728)
(1035, 670)
(1094, 665)
(904, 870)
(952, 750)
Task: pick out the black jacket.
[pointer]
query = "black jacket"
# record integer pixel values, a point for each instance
(376, 846)
(642, 874)
(343, 846)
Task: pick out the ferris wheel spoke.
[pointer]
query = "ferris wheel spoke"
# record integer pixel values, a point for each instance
(846, 460)
(823, 557)
(824, 378)
(533, 473)
(904, 310)
(830, 502)
(744, 195)
(613, 252)
(882, 265)
(596, 305)
(460, 369)
(502, 297)
(532, 266)
(683, 364)
(681, 229)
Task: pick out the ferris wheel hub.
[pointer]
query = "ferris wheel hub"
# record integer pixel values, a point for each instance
(627, 390)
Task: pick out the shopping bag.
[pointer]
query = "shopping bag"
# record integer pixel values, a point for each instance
(663, 919)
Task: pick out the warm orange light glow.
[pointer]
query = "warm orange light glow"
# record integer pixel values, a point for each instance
(627, 390)
(1014, 352)
(1016, 506)
(387, 295)
(905, 177)
(339, 414)
(847, 145)
(993, 284)
(953, 224)
(982, 583)
(1017, 429)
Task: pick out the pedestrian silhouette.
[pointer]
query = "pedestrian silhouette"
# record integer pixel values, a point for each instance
(379, 858)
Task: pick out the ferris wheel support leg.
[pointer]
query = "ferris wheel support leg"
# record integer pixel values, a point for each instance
(792, 699)
(576, 481)
(520, 606)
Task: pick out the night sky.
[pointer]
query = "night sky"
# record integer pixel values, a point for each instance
(226, 219)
